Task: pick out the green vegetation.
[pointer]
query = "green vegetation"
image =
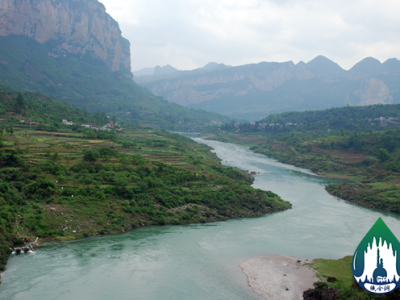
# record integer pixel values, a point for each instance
(69, 182)
(86, 82)
(350, 118)
(39, 108)
(371, 160)
(337, 274)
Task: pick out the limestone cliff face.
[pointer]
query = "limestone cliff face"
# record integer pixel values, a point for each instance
(78, 26)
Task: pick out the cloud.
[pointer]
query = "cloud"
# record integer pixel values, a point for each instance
(190, 33)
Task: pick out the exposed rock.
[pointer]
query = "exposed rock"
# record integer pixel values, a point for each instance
(374, 91)
(78, 26)
(321, 292)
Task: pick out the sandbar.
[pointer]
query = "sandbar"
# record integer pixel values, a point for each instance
(274, 276)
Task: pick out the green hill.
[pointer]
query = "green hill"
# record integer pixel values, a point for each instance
(36, 107)
(352, 118)
(87, 82)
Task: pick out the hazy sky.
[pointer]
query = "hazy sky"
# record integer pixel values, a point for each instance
(188, 34)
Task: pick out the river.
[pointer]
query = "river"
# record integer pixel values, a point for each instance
(197, 261)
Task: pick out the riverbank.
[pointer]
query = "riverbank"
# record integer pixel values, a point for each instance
(279, 277)
(374, 183)
(70, 185)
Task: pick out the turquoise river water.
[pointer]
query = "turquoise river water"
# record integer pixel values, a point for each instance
(197, 261)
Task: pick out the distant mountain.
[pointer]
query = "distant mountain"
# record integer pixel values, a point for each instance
(74, 51)
(368, 65)
(255, 91)
(322, 66)
(144, 72)
(212, 66)
(166, 70)
(392, 64)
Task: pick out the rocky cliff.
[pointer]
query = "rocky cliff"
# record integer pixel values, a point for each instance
(78, 26)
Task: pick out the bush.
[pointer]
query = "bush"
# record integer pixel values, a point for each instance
(90, 155)
(383, 155)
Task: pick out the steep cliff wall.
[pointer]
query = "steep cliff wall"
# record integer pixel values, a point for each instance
(78, 26)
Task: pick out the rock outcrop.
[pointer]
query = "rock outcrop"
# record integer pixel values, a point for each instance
(77, 25)
(373, 91)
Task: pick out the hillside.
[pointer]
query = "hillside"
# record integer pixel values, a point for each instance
(35, 107)
(69, 182)
(351, 118)
(255, 91)
(82, 59)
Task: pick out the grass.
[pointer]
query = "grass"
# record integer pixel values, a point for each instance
(337, 268)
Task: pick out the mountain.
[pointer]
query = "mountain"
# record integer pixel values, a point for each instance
(391, 65)
(144, 72)
(322, 66)
(166, 70)
(367, 65)
(79, 26)
(73, 51)
(255, 91)
(212, 66)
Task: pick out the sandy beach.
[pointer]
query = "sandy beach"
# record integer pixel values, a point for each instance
(277, 277)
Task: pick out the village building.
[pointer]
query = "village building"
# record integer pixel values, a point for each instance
(66, 122)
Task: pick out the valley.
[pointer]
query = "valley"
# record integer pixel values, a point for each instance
(225, 181)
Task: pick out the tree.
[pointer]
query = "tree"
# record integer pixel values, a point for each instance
(90, 156)
(106, 152)
(383, 155)
(55, 156)
(20, 102)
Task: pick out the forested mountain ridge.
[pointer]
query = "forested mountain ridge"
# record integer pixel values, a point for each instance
(255, 91)
(84, 60)
(350, 118)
